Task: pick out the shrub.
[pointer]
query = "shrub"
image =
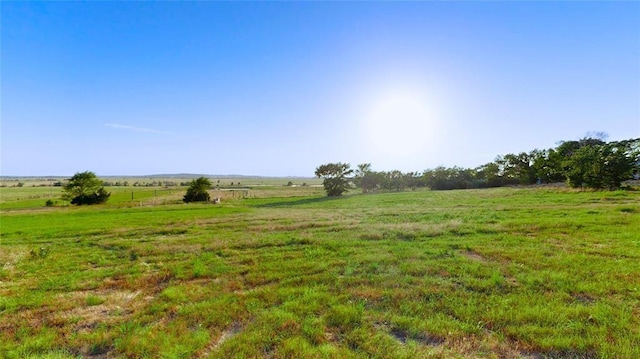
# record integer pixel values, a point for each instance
(85, 188)
(197, 191)
(100, 196)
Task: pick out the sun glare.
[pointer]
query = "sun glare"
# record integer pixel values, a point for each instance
(399, 123)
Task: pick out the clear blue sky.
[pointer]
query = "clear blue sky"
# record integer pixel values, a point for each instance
(278, 88)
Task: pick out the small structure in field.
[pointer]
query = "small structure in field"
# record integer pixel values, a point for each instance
(241, 192)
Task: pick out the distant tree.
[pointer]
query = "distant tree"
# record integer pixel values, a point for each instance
(442, 178)
(592, 162)
(518, 168)
(489, 175)
(547, 165)
(365, 178)
(618, 163)
(581, 169)
(197, 191)
(359, 173)
(396, 180)
(335, 177)
(566, 149)
(414, 180)
(85, 188)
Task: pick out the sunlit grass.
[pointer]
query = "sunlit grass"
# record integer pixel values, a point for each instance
(481, 273)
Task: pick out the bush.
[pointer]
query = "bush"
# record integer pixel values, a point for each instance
(85, 188)
(335, 177)
(100, 196)
(197, 191)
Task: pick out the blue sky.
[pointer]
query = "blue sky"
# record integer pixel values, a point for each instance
(278, 88)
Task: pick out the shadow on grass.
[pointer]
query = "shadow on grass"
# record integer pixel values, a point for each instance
(298, 202)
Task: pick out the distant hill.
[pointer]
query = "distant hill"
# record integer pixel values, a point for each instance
(156, 176)
(192, 175)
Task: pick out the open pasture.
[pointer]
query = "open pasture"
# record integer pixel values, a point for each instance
(288, 273)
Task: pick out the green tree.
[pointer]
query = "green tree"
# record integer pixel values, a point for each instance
(489, 175)
(396, 180)
(519, 169)
(197, 191)
(547, 165)
(335, 177)
(360, 172)
(578, 166)
(617, 163)
(365, 178)
(413, 180)
(442, 178)
(597, 164)
(85, 188)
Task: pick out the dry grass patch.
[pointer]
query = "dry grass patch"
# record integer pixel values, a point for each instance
(8, 261)
(474, 256)
(408, 230)
(101, 307)
(230, 332)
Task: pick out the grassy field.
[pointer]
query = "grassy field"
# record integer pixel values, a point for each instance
(288, 273)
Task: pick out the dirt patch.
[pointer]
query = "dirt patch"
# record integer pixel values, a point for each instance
(583, 298)
(423, 338)
(230, 332)
(402, 335)
(9, 259)
(474, 256)
(101, 306)
(277, 227)
(561, 354)
(420, 229)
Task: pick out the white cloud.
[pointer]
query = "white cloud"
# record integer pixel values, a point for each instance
(136, 129)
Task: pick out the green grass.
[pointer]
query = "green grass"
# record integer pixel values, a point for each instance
(288, 273)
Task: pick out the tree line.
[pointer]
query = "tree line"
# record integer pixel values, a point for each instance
(585, 163)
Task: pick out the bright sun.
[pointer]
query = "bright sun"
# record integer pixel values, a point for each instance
(399, 123)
